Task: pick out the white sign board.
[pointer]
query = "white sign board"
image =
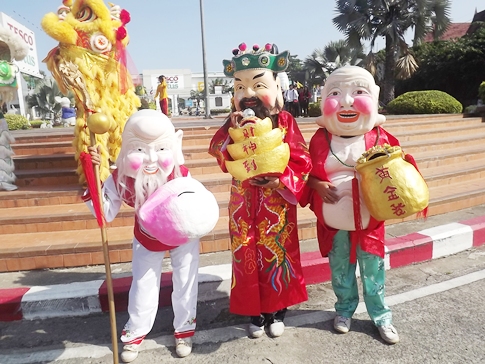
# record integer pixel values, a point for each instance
(30, 64)
(174, 82)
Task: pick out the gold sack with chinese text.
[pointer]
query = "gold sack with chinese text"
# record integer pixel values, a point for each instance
(392, 188)
(258, 149)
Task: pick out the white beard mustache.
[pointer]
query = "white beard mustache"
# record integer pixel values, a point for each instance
(146, 184)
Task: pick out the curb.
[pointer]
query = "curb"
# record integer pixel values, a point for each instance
(84, 298)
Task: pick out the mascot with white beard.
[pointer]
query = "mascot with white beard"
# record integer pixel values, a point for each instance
(172, 212)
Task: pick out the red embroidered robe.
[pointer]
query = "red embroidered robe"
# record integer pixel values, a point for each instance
(266, 269)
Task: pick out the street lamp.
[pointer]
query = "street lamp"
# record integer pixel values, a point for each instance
(206, 83)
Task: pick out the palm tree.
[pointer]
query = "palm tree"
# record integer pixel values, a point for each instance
(226, 85)
(43, 97)
(367, 20)
(335, 55)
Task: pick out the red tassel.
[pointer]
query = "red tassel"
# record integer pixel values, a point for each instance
(357, 219)
(87, 165)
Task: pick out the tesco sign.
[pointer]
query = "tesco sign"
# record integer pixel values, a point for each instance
(30, 64)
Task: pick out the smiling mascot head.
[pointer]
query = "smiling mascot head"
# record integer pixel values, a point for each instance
(350, 102)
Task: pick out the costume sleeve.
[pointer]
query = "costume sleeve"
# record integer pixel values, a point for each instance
(111, 199)
(299, 166)
(218, 144)
(318, 153)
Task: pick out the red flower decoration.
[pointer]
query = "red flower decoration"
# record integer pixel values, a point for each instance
(125, 17)
(242, 46)
(121, 33)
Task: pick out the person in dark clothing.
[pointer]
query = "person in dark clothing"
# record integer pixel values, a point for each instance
(304, 96)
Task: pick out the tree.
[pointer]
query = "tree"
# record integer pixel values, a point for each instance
(295, 70)
(334, 55)
(226, 85)
(43, 98)
(462, 62)
(367, 20)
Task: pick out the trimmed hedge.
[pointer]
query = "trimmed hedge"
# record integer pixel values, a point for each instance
(481, 91)
(220, 111)
(16, 122)
(424, 102)
(314, 109)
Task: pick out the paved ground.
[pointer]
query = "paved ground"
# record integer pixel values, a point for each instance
(82, 291)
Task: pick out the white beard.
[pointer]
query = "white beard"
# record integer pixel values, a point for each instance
(146, 184)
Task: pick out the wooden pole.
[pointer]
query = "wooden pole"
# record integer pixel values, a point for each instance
(107, 265)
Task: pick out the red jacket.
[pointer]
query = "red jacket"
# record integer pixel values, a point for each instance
(371, 240)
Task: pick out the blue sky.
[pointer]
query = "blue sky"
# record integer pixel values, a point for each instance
(166, 34)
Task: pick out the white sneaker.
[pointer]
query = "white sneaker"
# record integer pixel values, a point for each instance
(129, 353)
(183, 346)
(255, 331)
(389, 334)
(277, 328)
(341, 324)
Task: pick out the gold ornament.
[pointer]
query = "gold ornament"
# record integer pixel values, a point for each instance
(392, 187)
(258, 149)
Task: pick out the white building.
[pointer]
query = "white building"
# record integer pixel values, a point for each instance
(179, 84)
(29, 65)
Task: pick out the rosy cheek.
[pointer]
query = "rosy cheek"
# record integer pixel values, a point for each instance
(165, 162)
(135, 162)
(363, 104)
(266, 100)
(330, 106)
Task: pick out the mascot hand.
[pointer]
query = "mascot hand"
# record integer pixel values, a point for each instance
(180, 210)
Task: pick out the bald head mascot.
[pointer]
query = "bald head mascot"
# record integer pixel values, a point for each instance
(261, 146)
(347, 233)
(172, 211)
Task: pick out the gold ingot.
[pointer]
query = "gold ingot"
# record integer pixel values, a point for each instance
(392, 188)
(256, 145)
(251, 127)
(270, 163)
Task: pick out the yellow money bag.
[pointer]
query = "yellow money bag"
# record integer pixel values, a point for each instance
(392, 188)
(258, 149)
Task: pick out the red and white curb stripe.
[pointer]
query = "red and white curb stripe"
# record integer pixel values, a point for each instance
(84, 298)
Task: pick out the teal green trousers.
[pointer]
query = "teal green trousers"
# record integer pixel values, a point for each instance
(344, 281)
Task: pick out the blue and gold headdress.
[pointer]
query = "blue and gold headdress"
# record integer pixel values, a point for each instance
(258, 58)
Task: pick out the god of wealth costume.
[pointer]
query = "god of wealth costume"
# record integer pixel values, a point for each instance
(266, 270)
(346, 230)
(168, 218)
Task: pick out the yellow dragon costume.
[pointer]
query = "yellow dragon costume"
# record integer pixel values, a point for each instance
(90, 60)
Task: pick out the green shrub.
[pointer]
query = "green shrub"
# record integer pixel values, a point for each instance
(220, 111)
(424, 102)
(36, 123)
(481, 91)
(470, 109)
(152, 105)
(16, 122)
(314, 109)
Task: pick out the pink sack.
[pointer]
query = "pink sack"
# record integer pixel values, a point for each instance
(179, 211)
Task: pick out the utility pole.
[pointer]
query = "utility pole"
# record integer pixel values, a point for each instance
(206, 83)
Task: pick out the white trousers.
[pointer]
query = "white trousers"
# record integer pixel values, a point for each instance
(144, 292)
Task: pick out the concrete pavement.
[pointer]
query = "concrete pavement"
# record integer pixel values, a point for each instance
(82, 291)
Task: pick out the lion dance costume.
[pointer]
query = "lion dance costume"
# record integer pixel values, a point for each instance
(90, 60)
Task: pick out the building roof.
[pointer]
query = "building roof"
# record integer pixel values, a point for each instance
(455, 30)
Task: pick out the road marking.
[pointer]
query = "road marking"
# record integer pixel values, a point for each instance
(232, 332)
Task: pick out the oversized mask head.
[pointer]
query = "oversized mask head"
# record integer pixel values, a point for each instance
(150, 146)
(256, 85)
(350, 102)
